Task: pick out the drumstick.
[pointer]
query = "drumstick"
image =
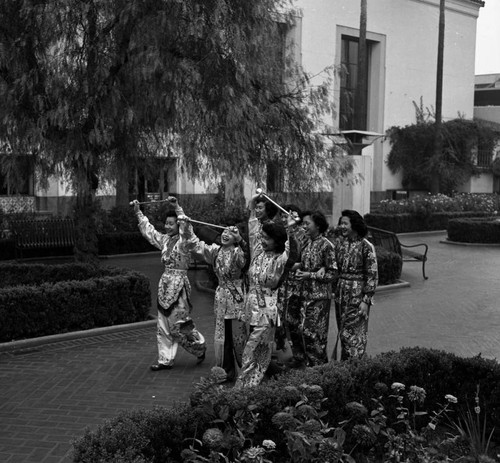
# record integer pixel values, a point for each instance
(131, 203)
(205, 223)
(260, 192)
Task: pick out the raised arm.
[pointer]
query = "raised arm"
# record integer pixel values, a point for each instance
(147, 229)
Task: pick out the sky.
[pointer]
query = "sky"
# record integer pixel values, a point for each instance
(488, 39)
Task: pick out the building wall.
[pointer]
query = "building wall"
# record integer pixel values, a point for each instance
(406, 32)
(481, 184)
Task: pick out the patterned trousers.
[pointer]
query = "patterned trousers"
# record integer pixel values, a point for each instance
(353, 332)
(307, 322)
(178, 329)
(256, 356)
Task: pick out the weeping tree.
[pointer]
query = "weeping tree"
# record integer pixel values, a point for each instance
(92, 88)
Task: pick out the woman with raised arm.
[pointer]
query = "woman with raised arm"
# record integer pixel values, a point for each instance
(174, 326)
(228, 260)
(269, 248)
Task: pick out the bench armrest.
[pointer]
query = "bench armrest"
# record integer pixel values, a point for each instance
(415, 245)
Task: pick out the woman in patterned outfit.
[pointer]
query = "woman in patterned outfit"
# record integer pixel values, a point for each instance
(358, 277)
(269, 249)
(174, 325)
(308, 317)
(228, 260)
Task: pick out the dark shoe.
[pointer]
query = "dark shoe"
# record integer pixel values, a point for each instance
(160, 366)
(200, 358)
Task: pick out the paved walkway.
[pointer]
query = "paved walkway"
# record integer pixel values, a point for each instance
(50, 393)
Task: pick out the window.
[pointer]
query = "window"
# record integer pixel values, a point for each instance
(348, 81)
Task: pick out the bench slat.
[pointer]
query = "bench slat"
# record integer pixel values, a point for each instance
(43, 234)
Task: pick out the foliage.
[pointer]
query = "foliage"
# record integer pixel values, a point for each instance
(423, 205)
(323, 413)
(39, 300)
(389, 265)
(404, 223)
(474, 432)
(98, 87)
(474, 230)
(412, 152)
(431, 212)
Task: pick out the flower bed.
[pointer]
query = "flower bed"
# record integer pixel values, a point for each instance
(402, 406)
(475, 230)
(430, 212)
(39, 300)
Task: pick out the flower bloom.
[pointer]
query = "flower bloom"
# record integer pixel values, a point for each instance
(253, 453)
(416, 394)
(218, 374)
(477, 410)
(356, 409)
(451, 398)
(398, 387)
(268, 444)
(213, 437)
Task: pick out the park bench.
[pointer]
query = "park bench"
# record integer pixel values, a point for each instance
(32, 234)
(390, 241)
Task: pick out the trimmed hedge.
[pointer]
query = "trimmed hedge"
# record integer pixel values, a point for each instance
(39, 300)
(390, 266)
(405, 223)
(475, 230)
(159, 435)
(123, 243)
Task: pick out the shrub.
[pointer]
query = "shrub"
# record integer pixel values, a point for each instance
(123, 243)
(331, 393)
(474, 230)
(405, 223)
(390, 266)
(39, 300)
(430, 212)
(428, 204)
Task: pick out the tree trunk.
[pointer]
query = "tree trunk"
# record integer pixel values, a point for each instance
(360, 106)
(86, 244)
(438, 136)
(122, 183)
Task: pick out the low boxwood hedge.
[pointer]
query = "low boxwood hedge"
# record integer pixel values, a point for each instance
(390, 266)
(474, 230)
(123, 243)
(406, 223)
(162, 434)
(39, 300)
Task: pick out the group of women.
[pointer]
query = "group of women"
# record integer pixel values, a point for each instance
(277, 274)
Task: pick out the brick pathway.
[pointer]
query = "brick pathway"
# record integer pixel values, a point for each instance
(49, 394)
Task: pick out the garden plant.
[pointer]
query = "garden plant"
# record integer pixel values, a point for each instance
(407, 406)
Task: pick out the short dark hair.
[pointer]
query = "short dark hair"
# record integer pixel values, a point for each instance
(318, 218)
(277, 232)
(357, 222)
(170, 213)
(271, 209)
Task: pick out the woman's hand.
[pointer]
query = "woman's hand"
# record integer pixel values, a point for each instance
(173, 201)
(363, 309)
(235, 233)
(136, 205)
(302, 275)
